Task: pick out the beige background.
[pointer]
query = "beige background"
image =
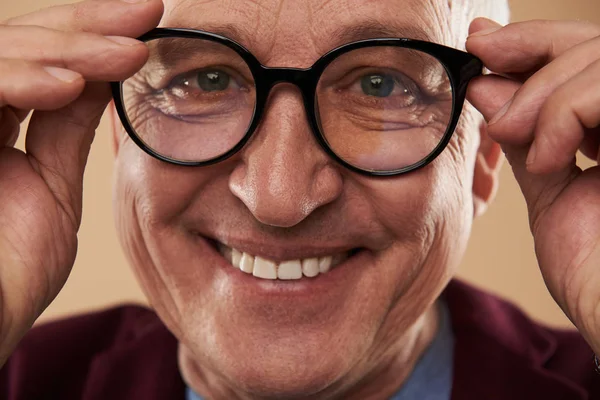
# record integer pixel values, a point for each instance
(500, 255)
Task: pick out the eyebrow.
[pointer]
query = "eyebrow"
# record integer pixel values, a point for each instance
(365, 29)
(235, 32)
(371, 28)
(171, 51)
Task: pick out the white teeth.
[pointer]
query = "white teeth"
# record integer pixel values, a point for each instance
(289, 270)
(325, 264)
(236, 257)
(286, 270)
(310, 267)
(247, 263)
(264, 268)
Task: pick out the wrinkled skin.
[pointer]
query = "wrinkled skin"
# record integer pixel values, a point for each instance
(281, 195)
(358, 329)
(544, 114)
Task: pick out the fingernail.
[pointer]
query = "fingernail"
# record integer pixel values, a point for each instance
(500, 113)
(62, 74)
(532, 154)
(485, 32)
(125, 41)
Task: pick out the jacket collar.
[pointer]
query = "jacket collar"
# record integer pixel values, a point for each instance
(499, 353)
(141, 365)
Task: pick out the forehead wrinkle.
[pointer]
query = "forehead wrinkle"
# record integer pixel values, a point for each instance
(297, 33)
(371, 28)
(416, 19)
(320, 4)
(249, 22)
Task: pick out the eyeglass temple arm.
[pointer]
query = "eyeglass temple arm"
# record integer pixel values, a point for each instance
(471, 69)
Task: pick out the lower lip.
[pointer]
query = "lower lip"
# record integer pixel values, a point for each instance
(340, 278)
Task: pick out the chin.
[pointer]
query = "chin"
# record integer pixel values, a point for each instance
(286, 364)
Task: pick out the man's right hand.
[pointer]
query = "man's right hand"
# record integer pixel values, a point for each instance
(55, 62)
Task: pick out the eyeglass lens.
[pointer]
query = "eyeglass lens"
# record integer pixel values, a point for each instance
(384, 108)
(192, 101)
(379, 108)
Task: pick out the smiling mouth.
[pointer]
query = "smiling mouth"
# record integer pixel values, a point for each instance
(264, 268)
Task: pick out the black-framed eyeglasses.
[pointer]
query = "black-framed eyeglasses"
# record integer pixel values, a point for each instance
(381, 106)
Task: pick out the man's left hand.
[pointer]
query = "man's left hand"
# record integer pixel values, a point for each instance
(543, 105)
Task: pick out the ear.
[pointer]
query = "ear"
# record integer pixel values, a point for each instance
(487, 170)
(118, 132)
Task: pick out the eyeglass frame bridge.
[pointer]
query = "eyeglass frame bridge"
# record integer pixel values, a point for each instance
(460, 66)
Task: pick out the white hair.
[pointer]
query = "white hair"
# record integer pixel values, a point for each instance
(464, 11)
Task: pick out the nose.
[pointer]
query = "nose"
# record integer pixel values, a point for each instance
(284, 175)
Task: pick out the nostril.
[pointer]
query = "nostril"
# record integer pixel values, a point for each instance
(283, 178)
(279, 214)
(272, 199)
(327, 185)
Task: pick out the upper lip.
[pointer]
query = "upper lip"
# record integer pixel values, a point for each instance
(278, 252)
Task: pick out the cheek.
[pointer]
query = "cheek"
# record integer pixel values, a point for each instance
(149, 200)
(437, 194)
(450, 204)
(411, 203)
(428, 212)
(159, 192)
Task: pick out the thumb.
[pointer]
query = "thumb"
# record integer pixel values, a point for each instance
(483, 25)
(59, 142)
(489, 94)
(540, 191)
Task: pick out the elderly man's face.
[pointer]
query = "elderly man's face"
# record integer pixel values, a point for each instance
(283, 198)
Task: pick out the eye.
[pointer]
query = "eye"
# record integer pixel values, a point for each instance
(378, 85)
(212, 81)
(208, 80)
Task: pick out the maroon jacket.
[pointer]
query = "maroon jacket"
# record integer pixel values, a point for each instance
(126, 353)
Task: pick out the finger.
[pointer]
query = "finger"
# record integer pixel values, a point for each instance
(94, 56)
(483, 25)
(28, 85)
(59, 141)
(540, 191)
(527, 46)
(571, 112)
(516, 122)
(110, 17)
(489, 93)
